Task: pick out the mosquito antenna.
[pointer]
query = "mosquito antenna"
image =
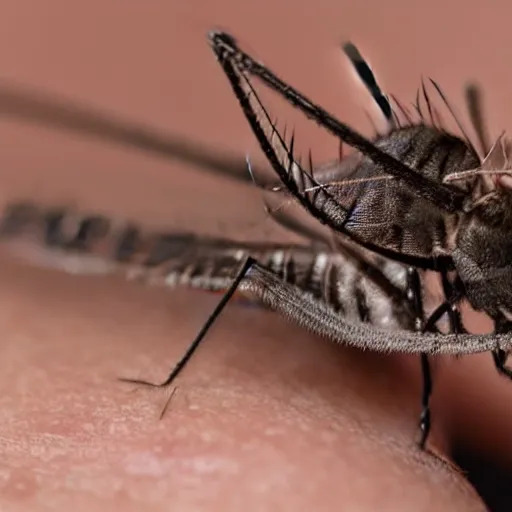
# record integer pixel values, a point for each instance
(367, 76)
(473, 95)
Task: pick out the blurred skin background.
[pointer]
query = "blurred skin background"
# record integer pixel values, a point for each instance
(266, 417)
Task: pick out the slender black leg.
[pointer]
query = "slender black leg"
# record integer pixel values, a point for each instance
(249, 262)
(448, 307)
(500, 358)
(414, 294)
(453, 295)
(425, 401)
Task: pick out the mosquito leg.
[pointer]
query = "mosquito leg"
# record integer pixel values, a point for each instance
(500, 358)
(414, 294)
(425, 417)
(249, 262)
(451, 293)
(49, 111)
(449, 307)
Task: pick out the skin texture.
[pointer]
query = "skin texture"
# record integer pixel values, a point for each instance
(265, 416)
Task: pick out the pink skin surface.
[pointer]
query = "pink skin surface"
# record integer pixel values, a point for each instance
(266, 416)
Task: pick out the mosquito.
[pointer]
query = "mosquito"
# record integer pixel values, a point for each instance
(429, 202)
(345, 289)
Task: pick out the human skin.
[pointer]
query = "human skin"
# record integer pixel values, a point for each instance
(265, 415)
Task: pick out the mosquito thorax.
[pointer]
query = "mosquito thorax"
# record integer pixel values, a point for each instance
(430, 150)
(483, 253)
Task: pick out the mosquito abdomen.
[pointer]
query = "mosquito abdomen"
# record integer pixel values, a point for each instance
(201, 262)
